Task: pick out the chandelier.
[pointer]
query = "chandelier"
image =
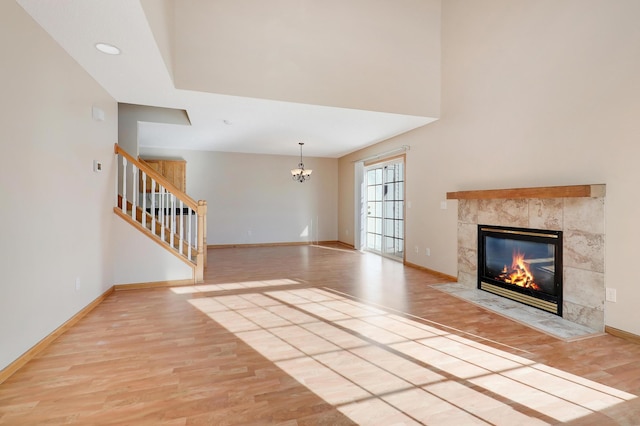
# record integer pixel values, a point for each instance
(300, 174)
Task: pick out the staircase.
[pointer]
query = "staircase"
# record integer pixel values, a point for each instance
(162, 212)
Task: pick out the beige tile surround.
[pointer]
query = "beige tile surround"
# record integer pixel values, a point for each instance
(582, 221)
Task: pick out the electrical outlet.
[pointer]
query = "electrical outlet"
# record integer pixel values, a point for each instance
(610, 294)
(443, 205)
(77, 283)
(417, 250)
(427, 251)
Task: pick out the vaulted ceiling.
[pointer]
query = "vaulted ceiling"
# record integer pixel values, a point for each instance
(259, 77)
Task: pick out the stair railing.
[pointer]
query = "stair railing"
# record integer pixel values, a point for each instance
(163, 212)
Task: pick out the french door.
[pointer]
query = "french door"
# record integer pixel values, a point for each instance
(385, 209)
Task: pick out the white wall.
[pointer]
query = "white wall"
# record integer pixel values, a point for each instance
(251, 199)
(56, 212)
(535, 93)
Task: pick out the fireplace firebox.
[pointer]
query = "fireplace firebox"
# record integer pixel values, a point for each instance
(522, 264)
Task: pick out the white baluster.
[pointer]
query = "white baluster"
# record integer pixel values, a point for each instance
(189, 234)
(124, 185)
(181, 218)
(153, 206)
(172, 218)
(144, 199)
(167, 213)
(134, 191)
(164, 206)
(162, 215)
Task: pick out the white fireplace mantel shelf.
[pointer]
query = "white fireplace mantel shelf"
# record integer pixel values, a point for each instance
(570, 191)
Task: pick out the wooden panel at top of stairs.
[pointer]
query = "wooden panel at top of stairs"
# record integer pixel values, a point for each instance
(175, 171)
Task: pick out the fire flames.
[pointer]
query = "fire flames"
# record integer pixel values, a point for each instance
(519, 274)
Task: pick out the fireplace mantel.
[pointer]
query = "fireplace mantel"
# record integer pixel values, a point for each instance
(571, 191)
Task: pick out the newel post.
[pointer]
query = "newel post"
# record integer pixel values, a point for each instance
(201, 261)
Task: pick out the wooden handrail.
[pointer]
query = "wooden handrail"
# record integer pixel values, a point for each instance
(158, 178)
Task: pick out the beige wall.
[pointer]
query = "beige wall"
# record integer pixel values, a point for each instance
(252, 199)
(361, 54)
(56, 212)
(535, 93)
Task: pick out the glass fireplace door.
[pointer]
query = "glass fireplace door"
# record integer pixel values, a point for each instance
(522, 264)
(385, 209)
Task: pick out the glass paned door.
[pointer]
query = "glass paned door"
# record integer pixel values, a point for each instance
(385, 209)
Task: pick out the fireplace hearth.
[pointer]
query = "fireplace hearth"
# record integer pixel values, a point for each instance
(522, 264)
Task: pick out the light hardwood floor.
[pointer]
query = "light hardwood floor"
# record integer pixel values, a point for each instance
(307, 335)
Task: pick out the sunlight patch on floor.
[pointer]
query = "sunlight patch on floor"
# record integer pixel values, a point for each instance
(378, 367)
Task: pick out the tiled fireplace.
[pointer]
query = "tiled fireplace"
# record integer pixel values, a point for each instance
(577, 211)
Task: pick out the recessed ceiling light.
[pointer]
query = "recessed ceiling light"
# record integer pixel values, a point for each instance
(109, 49)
